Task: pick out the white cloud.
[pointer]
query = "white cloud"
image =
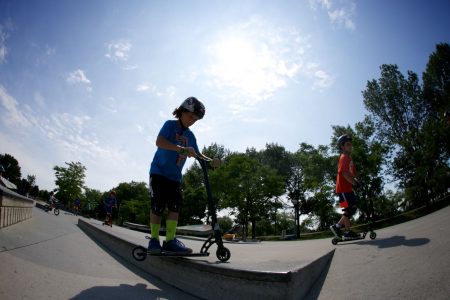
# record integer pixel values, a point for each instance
(340, 15)
(118, 50)
(12, 115)
(77, 76)
(321, 79)
(343, 16)
(145, 87)
(5, 30)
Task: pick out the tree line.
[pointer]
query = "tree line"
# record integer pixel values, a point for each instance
(403, 139)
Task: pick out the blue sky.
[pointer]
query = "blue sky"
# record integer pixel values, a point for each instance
(93, 81)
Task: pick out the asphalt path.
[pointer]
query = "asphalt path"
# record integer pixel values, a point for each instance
(406, 261)
(49, 257)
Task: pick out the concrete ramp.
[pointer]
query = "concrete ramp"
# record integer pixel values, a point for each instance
(254, 273)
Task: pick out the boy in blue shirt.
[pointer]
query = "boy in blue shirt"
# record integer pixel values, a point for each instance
(175, 142)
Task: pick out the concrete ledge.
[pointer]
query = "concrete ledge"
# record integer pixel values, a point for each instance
(211, 281)
(14, 208)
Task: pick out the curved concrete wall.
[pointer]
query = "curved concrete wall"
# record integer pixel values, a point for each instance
(210, 281)
(14, 208)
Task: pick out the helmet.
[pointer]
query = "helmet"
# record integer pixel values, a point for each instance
(343, 139)
(193, 105)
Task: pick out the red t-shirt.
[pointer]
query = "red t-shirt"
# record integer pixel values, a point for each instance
(345, 164)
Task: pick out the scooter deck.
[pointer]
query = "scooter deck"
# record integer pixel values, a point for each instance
(175, 254)
(362, 236)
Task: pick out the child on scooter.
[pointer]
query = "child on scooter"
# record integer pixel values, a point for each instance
(110, 202)
(175, 142)
(346, 179)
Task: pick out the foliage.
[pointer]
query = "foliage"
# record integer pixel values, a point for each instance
(406, 118)
(248, 187)
(70, 181)
(12, 168)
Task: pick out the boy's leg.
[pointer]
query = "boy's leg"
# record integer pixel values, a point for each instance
(171, 225)
(171, 243)
(155, 225)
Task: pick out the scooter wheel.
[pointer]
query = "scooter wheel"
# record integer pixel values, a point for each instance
(139, 253)
(223, 254)
(373, 235)
(334, 241)
(56, 211)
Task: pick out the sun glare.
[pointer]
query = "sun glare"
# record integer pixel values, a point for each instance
(246, 65)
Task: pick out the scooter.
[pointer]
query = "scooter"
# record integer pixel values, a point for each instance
(222, 253)
(362, 235)
(108, 220)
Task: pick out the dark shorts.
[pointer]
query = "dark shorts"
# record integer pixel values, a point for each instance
(164, 193)
(348, 202)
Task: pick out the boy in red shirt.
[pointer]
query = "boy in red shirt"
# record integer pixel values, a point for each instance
(346, 179)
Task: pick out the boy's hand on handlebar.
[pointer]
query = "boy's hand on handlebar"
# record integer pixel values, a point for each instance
(188, 151)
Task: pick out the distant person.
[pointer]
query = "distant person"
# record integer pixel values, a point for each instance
(77, 206)
(175, 142)
(110, 202)
(52, 200)
(346, 179)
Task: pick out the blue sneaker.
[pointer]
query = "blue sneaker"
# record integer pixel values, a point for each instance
(175, 246)
(154, 246)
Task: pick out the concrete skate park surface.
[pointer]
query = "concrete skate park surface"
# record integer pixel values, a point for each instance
(406, 261)
(271, 270)
(50, 257)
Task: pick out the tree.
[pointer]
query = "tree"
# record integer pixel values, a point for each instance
(248, 187)
(12, 168)
(70, 181)
(406, 117)
(133, 202)
(309, 188)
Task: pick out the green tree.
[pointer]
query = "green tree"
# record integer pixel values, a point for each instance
(249, 187)
(133, 202)
(12, 168)
(406, 117)
(311, 191)
(70, 181)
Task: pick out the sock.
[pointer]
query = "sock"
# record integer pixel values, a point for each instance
(171, 228)
(155, 230)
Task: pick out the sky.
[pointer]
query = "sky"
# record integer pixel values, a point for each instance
(94, 81)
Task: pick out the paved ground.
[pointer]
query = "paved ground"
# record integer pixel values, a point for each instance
(406, 261)
(48, 257)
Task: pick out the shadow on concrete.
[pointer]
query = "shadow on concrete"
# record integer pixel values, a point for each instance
(314, 292)
(395, 241)
(154, 294)
(123, 291)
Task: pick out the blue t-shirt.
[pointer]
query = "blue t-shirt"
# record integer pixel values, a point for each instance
(169, 163)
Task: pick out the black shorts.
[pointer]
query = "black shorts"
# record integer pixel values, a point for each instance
(348, 202)
(164, 193)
